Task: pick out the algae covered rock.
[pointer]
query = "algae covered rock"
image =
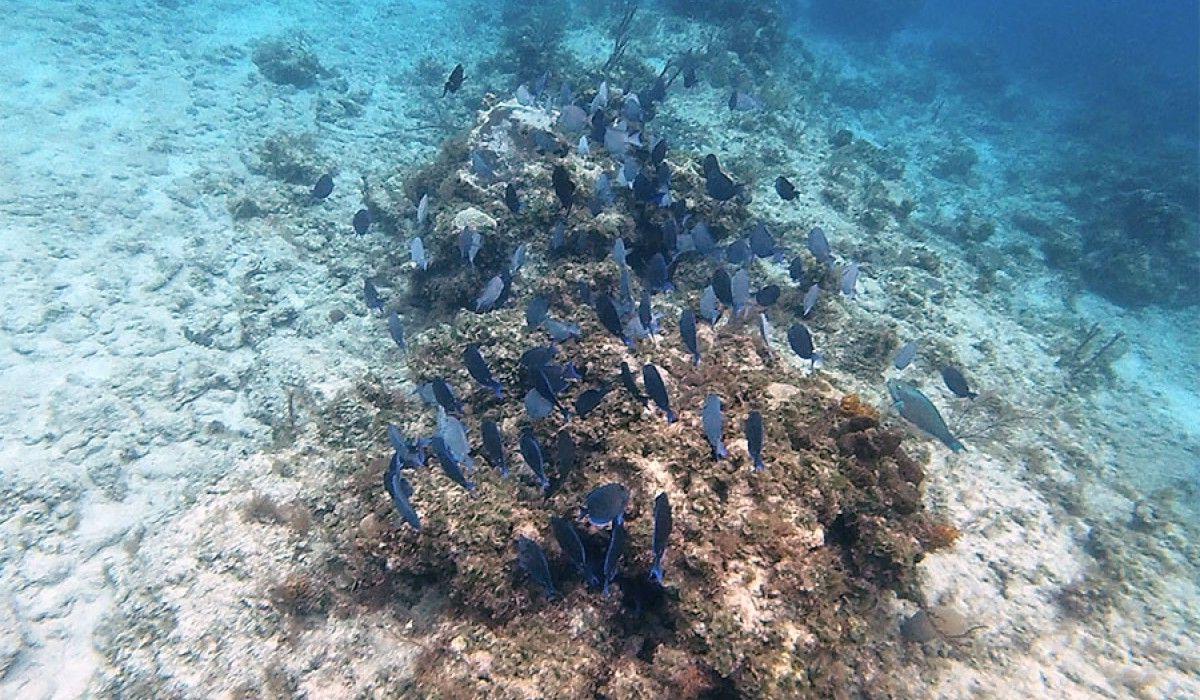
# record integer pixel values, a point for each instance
(289, 61)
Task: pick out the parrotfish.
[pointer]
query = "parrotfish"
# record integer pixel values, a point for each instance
(915, 407)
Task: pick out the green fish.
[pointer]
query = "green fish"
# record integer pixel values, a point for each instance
(920, 411)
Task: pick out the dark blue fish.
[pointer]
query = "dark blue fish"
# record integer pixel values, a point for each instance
(445, 397)
(401, 492)
(564, 447)
(630, 384)
(455, 81)
(470, 242)
(906, 355)
(589, 400)
(536, 406)
(511, 199)
(801, 343)
(957, 383)
(818, 245)
(658, 152)
(518, 259)
(785, 189)
(531, 450)
(762, 243)
(573, 549)
(536, 311)
(702, 239)
(714, 424)
(739, 291)
(657, 390)
(796, 270)
(490, 294)
(482, 165)
(657, 276)
(361, 221)
(767, 296)
(754, 439)
(811, 297)
(850, 280)
(572, 119)
(723, 286)
(416, 250)
(538, 356)
(409, 453)
(687, 331)
(561, 331)
(662, 534)
(371, 296)
(449, 465)
(738, 252)
(603, 197)
(646, 313)
(396, 330)
(478, 368)
(533, 560)
(606, 311)
(323, 188)
(493, 446)
(915, 407)
(717, 184)
(543, 386)
(606, 504)
(709, 306)
(564, 187)
(612, 558)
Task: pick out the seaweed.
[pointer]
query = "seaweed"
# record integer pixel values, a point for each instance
(621, 34)
(1089, 360)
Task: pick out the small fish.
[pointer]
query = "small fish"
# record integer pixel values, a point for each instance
(717, 184)
(543, 386)
(518, 259)
(612, 558)
(630, 384)
(957, 383)
(907, 354)
(482, 165)
(738, 252)
(538, 356)
(603, 196)
(416, 250)
(565, 454)
(323, 187)
(687, 331)
(657, 390)
(600, 101)
(801, 343)
(785, 189)
(722, 286)
(489, 295)
(361, 221)
(371, 296)
(811, 297)
(709, 309)
(531, 450)
(478, 368)
(423, 210)
(754, 439)
(850, 280)
(511, 199)
(762, 243)
(533, 560)
(606, 504)
(572, 119)
(796, 269)
(606, 311)
(583, 147)
(524, 97)
(564, 187)
(631, 108)
(455, 81)
(449, 466)
(739, 289)
(658, 277)
(646, 315)
(536, 311)
(572, 547)
(818, 245)
(444, 394)
(662, 534)
(915, 407)
(741, 101)
(767, 296)
(765, 330)
(396, 330)
(454, 434)
(470, 242)
(702, 239)
(561, 331)
(589, 400)
(714, 424)
(537, 407)
(401, 492)
(493, 446)
(619, 254)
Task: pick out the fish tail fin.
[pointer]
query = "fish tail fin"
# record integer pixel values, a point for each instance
(671, 417)
(758, 464)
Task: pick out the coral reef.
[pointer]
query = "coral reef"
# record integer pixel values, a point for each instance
(773, 578)
(289, 61)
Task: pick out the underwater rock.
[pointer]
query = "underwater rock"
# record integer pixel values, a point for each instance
(289, 61)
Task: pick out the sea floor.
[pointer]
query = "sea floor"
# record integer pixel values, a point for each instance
(159, 354)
